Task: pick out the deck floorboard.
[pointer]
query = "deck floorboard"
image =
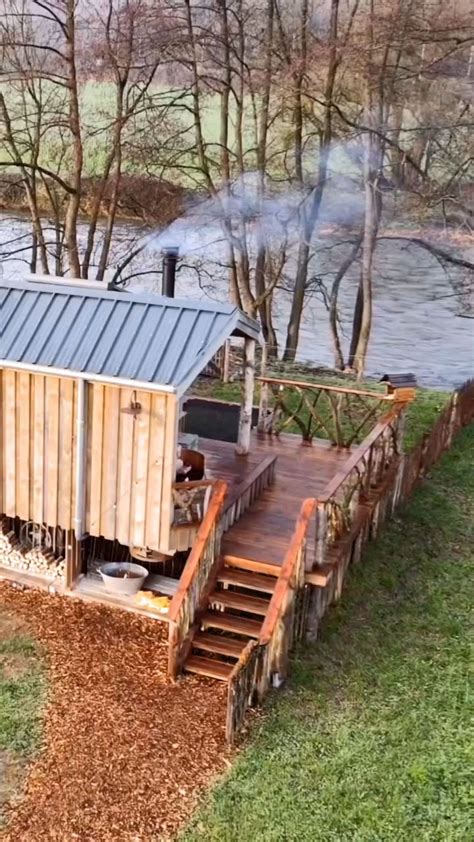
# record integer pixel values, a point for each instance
(264, 531)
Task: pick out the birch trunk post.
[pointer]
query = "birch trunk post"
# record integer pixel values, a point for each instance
(245, 423)
(263, 404)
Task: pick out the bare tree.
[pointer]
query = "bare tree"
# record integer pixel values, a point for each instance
(46, 127)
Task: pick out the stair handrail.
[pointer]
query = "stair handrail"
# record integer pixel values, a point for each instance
(241, 689)
(291, 572)
(266, 465)
(364, 469)
(241, 496)
(196, 579)
(263, 658)
(392, 421)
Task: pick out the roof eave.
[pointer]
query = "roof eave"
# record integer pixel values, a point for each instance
(238, 325)
(90, 376)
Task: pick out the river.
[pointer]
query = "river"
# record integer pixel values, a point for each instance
(420, 322)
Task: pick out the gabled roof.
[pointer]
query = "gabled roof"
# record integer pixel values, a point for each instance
(116, 335)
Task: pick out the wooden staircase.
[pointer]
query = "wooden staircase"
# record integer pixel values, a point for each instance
(235, 613)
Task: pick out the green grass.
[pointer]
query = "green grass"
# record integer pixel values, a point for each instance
(21, 695)
(22, 698)
(372, 739)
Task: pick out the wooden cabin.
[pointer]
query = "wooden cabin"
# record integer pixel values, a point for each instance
(92, 384)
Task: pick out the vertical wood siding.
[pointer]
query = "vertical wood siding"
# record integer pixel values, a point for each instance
(131, 466)
(130, 462)
(36, 456)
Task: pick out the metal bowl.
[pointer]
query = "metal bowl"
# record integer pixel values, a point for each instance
(123, 577)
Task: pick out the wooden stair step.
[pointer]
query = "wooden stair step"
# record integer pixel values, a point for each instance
(228, 646)
(246, 579)
(229, 622)
(249, 564)
(320, 576)
(209, 667)
(240, 601)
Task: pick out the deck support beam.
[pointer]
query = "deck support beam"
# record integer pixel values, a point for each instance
(245, 422)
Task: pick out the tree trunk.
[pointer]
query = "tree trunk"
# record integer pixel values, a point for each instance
(396, 153)
(297, 302)
(345, 266)
(356, 324)
(245, 423)
(73, 206)
(310, 215)
(371, 225)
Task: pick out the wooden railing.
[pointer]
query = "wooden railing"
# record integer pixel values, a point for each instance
(343, 416)
(363, 470)
(197, 581)
(377, 464)
(265, 661)
(190, 499)
(244, 494)
(242, 688)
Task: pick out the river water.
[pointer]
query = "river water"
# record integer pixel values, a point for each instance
(421, 315)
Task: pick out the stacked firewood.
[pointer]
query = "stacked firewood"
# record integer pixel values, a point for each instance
(37, 561)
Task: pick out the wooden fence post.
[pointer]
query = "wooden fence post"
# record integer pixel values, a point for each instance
(453, 426)
(321, 533)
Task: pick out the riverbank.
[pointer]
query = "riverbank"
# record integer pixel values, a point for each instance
(370, 739)
(156, 202)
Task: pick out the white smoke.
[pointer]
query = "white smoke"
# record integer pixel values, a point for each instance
(270, 215)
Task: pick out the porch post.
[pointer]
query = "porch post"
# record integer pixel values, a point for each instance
(245, 423)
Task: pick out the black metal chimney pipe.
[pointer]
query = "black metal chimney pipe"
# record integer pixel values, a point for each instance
(170, 259)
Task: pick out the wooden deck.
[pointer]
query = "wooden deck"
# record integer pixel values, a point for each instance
(264, 531)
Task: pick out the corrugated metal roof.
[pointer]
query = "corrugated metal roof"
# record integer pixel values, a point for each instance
(144, 338)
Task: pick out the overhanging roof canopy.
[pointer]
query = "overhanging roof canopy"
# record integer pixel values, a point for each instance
(118, 336)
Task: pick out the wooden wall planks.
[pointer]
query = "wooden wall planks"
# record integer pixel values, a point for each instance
(132, 466)
(130, 461)
(37, 448)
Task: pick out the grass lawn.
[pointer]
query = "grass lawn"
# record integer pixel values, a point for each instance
(22, 692)
(371, 739)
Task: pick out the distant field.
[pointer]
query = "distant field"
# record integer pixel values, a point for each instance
(97, 104)
(164, 145)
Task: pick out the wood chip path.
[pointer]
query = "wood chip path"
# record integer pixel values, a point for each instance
(126, 752)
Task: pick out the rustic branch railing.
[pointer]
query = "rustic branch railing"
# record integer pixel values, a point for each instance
(295, 609)
(343, 416)
(363, 471)
(196, 581)
(247, 492)
(242, 688)
(265, 661)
